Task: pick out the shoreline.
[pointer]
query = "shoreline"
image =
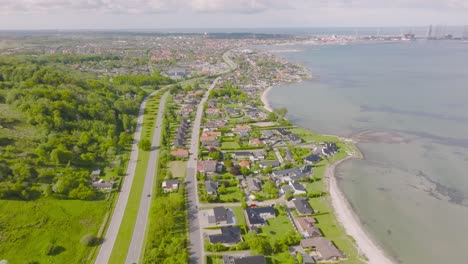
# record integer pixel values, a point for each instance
(348, 218)
(342, 209)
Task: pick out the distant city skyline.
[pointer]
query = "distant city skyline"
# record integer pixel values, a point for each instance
(154, 14)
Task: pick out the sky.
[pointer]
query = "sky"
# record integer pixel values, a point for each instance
(154, 14)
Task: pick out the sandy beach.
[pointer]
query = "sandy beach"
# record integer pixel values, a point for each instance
(344, 212)
(350, 221)
(265, 102)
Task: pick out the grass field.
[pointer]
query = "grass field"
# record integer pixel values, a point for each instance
(277, 228)
(178, 168)
(124, 237)
(213, 259)
(26, 228)
(233, 194)
(239, 212)
(230, 145)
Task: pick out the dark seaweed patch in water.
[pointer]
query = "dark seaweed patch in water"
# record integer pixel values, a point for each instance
(455, 196)
(383, 189)
(389, 109)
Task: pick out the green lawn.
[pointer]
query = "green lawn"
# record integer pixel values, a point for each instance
(230, 145)
(277, 228)
(233, 194)
(178, 168)
(239, 212)
(213, 259)
(29, 226)
(124, 237)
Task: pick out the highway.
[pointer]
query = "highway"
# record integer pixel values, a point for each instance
(114, 225)
(196, 238)
(138, 238)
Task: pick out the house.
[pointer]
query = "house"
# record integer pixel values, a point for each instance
(258, 155)
(232, 111)
(211, 134)
(293, 174)
(257, 216)
(283, 131)
(322, 249)
(256, 142)
(242, 128)
(295, 187)
(306, 226)
(209, 141)
(95, 174)
(245, 164)
(295, 138)
(288, 156)
(298, 187)
(329, 149)
(268, 134)
(260, 259)
(170, 185)
(311, 159)
(207, 166)
(211, 187)
(180, 153)
(212, 111)
(102, 185)
(253, 184)
(241, 155)
(230, 235)
(222, 216)
(176, 73)
(302, 206)
(272, 163)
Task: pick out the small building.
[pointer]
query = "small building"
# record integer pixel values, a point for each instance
(322, 249)
(257, 216)
(295, 138)
(311, 159)
(102, 185)
(170, 185)
(253, 184)
(306, 226)
(272, 163)
(329, 149)
(260, 259)
(295, 187)
(211, 187)
(241, 155)
(230, 235)
(207, 166)
(222, 216)
(180, 153)
(176, 73)
(256, 142)
(302, 206)
(245, 164)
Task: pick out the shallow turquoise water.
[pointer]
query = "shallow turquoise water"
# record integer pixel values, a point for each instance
(411, 189)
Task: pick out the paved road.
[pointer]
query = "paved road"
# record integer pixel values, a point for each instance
(114, 224)
(138, 237)
(196, 238)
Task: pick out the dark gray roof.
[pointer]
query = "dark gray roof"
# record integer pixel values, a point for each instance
(172, 182)
(298, 186)
(294, 137)
(211, 187)
(229, 235)
(260, 259)
(312, 158)
(271, 163)
(253, 213)
(220, 213)
(302, 206)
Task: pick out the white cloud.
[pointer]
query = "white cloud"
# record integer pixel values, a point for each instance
(217, 6)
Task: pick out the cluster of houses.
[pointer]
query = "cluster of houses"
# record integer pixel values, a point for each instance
(228, 234)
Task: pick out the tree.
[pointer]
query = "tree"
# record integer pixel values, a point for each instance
(270, 189)
(235, 170)
(288, 195)
(222, 189)
(88, 240)
(300, 259)
(267, 170)
(260, 244)
(144, 145)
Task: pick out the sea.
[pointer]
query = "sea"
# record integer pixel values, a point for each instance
(406, 104)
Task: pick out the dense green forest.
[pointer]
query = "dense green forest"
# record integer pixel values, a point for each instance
(58, 124)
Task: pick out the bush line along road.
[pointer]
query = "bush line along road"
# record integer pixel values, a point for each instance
(119, 210)
(140, 226)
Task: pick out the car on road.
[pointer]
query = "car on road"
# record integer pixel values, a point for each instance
(252, 205)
